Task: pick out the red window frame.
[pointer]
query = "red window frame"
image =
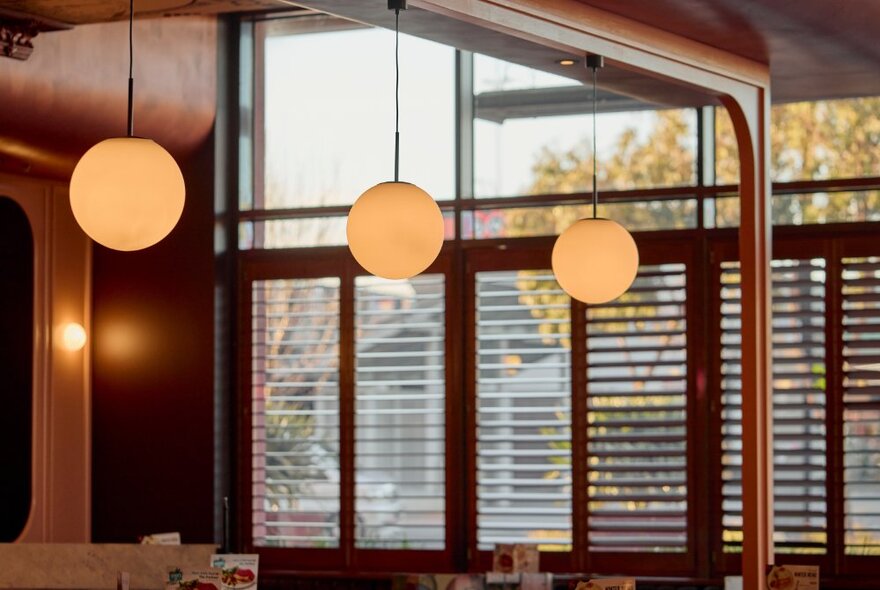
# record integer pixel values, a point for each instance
(336, 262)
(654, 248)
(833, 243)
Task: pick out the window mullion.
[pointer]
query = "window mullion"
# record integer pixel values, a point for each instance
(834, 403)
(580, 501)
(469, 320)
(702, 421)
(346, 417)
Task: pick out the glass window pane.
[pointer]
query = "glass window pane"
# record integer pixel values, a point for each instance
(519, 222)
(307, 232)
(545, 155)
(329, 116)
(726, 149)
(809, 208)
(400, 413)
(493, 75)
(811, 141)
(295, 424)
(826, 208)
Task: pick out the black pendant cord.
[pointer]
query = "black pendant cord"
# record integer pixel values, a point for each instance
(396, 95)
(595, 153)
(130, 68)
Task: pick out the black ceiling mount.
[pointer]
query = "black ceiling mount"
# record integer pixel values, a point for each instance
(595, 61)
(17, 30)
(397, 5)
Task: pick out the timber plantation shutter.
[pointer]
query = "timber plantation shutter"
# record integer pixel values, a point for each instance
(400, 413)
(637, 422)
(295, 424)
(861, 405)
(523, 356)
(636, 471)
(799, 406)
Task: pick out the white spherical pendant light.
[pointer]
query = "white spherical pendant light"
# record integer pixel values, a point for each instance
(127, 193)
(595, 260)
(395, 230)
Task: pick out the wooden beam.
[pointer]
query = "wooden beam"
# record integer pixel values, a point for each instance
(751, 125)
(569, 25)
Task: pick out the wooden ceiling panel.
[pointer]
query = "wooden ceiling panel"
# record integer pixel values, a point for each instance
(449, 31)
(97, 11)
(815, 48)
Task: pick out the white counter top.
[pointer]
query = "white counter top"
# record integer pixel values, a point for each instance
(93, 566)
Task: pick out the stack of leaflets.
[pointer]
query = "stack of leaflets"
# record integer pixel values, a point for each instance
(226, 572)
(516, 559)
(608, 584)
(237, 571)
(793, 577)
(178, 578)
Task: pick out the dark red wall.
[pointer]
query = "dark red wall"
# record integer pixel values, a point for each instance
(153, 311)
(153, 401)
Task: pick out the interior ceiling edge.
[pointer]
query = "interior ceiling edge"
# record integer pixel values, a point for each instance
(652, 92)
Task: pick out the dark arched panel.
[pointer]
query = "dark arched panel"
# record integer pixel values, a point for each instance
(16, 367)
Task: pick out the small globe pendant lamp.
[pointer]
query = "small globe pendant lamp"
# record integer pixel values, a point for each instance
(595, 260)
(395, 229)
(127, 193)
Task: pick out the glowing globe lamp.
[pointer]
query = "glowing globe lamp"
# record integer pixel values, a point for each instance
(127, 193)
(595, 260)
(395, 230)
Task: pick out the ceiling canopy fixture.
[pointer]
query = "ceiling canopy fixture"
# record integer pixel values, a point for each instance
(395, 229)
(127, 193)
(595, 260)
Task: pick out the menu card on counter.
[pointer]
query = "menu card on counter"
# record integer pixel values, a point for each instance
(793, 577)
(192, 579)
(521, 581)
(160, 539)
(608, 584)
(237, 570)
(516, 559)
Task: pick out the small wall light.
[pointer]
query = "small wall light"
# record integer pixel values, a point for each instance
(73, 336)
